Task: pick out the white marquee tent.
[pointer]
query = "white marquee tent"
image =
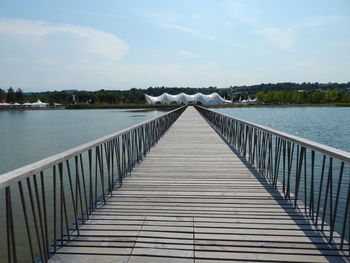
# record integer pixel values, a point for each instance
(166, 98)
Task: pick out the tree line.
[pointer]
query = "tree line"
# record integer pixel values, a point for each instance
(12, 96)
(268, 93)
(302, 97)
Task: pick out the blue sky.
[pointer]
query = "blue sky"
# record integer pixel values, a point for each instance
(91, 45)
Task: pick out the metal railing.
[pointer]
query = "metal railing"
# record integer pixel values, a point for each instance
(43, 204)
(315, 178)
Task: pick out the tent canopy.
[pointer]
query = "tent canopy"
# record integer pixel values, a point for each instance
(166, 98)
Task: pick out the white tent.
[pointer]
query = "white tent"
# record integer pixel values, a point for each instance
(39, 104)
(166, 98)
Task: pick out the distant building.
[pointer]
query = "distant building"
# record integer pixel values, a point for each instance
(35, 105)
(184, 98)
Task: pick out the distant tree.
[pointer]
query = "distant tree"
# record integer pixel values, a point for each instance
(19, 96)
(2, 94)
(331, 96)
(10, 96)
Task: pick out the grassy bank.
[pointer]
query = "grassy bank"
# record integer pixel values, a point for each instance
(343, 104)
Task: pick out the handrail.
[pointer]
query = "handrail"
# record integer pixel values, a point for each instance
(21, 173)
(312, 176)
(322, 148)
(44, 203)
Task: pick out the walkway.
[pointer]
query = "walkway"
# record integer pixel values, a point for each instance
(193, 200)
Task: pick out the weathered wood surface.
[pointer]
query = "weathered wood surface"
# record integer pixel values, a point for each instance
(193, 200)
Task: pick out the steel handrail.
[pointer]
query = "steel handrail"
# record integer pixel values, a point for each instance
(45, 202)
(322, 148)
(312, 176)
(21, 173)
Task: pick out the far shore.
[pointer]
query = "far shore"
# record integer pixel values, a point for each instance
(174, 106)
(278, 105)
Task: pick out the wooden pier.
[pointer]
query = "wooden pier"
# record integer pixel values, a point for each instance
(192, 199)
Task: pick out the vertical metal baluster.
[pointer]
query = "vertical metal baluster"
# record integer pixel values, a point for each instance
(284, 167)
(100, 164)
(91, 187)
(328, 189)
(54, 209)
(74, 202)
(305, 183)
(78, 188)
(117, 152)
(63, 205)
(34, 218)
(270, 165)
(11, 243)
(278, 145)
(123, 154)
(44, 212)
(107, 147)
(96, 170)
(290, 162)
(346, 221)
(102, 175)
(112, 166)
(312, 190)
(24, 208)
(300, 158)
(84, 185)
(332, 225)
(40, 218)
(129, 148)
(320, 189)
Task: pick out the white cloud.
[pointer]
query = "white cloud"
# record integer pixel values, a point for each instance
(37, 55)
(87, 40)
(284, 39)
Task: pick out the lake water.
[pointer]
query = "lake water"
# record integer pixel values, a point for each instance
(29, 136)
(326, 125)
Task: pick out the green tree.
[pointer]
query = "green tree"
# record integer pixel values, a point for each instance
(2, 94)
(19, 96)
(10, 96)
(261, 96)
(331, 96)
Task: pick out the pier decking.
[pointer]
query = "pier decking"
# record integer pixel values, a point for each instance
(193, 199)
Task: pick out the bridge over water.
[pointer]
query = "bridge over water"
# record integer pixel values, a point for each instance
(190, 186)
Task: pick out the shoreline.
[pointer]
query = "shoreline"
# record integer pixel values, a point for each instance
(174, 106)
(274, 105)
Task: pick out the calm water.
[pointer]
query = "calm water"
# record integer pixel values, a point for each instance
(327, 125)
(28, 136)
